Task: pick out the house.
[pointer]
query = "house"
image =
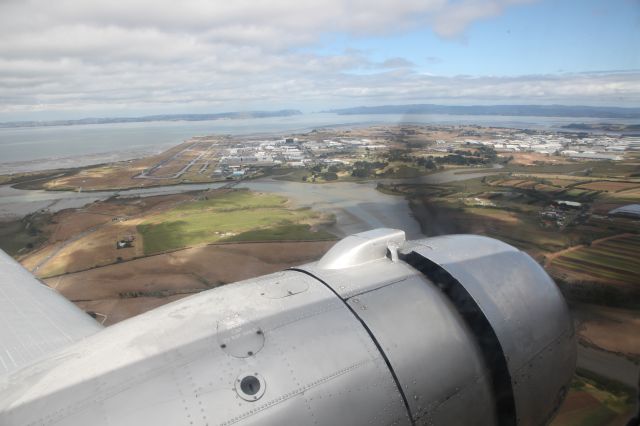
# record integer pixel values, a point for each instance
(120, 244)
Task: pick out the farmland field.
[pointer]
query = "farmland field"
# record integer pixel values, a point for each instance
(609, 186)
(631, 195)
(228, 217)
(613, 260)
(590, 403)
(560, 182)
(544, 186)
(121, 290)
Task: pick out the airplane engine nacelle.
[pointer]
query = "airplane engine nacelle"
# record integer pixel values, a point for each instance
(452, 330)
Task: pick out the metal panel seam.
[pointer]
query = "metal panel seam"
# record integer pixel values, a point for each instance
(477, 321)
(373, 339)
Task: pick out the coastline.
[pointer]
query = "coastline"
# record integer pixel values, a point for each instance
(26, 149)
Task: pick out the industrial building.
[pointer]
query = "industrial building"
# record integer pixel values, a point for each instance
(631, 211)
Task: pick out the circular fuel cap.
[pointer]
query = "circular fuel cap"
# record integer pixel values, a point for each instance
(250, 386)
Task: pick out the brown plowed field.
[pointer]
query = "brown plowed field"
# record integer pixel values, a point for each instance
(129, 288)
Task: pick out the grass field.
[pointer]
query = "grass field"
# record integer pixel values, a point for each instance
(233, 216)
(615, 259)
(297, 232)
(289, 174)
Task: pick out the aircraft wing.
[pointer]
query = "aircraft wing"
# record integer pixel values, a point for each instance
(443, 331)
(35, 320)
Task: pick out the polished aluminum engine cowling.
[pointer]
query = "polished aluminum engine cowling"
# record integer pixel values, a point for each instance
(446, 330)
(475, 333)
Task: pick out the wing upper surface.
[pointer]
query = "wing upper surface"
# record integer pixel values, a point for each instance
(34, 319)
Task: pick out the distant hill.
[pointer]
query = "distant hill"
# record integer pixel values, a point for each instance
(506, 110)
(166, 117)
(609, 127)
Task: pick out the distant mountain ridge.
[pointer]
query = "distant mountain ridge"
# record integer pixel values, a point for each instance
(505, 110)
(163, 117)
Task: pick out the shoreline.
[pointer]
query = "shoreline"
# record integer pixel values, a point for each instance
(54, 173)
(349, 201)
(138, 140)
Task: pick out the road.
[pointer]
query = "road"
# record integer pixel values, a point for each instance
(608, 365)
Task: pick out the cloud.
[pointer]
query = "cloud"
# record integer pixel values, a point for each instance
(452, 20)
(84, 55)
(396, 63)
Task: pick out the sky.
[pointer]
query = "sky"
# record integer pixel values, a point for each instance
(86, 58)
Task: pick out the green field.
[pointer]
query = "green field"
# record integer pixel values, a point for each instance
(402, 171)
(289, 173)
(238, 215)
(299, 232)
(611, 260)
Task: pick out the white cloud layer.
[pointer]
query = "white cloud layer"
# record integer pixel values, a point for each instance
(148, 55)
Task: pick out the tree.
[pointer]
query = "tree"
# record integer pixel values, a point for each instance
(399, 155)
(329, 176)
(430, 164)
(360, 173)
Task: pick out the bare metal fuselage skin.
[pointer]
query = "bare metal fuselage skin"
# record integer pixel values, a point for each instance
(446, 330)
